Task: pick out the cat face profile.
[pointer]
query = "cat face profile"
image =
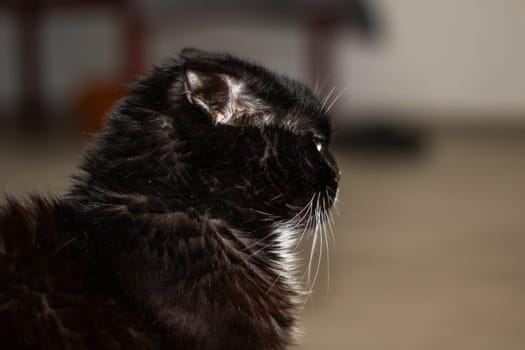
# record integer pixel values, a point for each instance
(222, 133)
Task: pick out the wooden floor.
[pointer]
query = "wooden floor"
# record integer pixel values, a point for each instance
(429, 251)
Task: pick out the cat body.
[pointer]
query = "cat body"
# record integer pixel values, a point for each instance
(180, 229)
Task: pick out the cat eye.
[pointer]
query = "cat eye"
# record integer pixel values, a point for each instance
(319, 146)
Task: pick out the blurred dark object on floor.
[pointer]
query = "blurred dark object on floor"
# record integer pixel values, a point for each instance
(382, 137)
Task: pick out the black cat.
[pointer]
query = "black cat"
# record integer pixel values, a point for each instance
(180, 229)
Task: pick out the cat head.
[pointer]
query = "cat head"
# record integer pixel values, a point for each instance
(219, 135)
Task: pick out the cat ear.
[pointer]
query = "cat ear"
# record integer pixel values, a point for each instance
(222, 96)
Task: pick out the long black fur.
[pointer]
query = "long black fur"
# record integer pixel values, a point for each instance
(172, 236)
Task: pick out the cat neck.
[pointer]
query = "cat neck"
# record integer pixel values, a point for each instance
(167, 261)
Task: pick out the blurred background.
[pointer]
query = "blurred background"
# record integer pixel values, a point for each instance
(430, 137)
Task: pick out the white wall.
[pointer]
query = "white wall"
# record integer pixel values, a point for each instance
(279, 47)
(463, 58)
(79, 46)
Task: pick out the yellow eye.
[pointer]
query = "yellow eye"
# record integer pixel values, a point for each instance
(319, 146)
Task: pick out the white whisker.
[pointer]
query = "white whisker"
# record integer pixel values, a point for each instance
(308, 215)
(337, 98)
(327, 97)
(322, 84)
(327, 258)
